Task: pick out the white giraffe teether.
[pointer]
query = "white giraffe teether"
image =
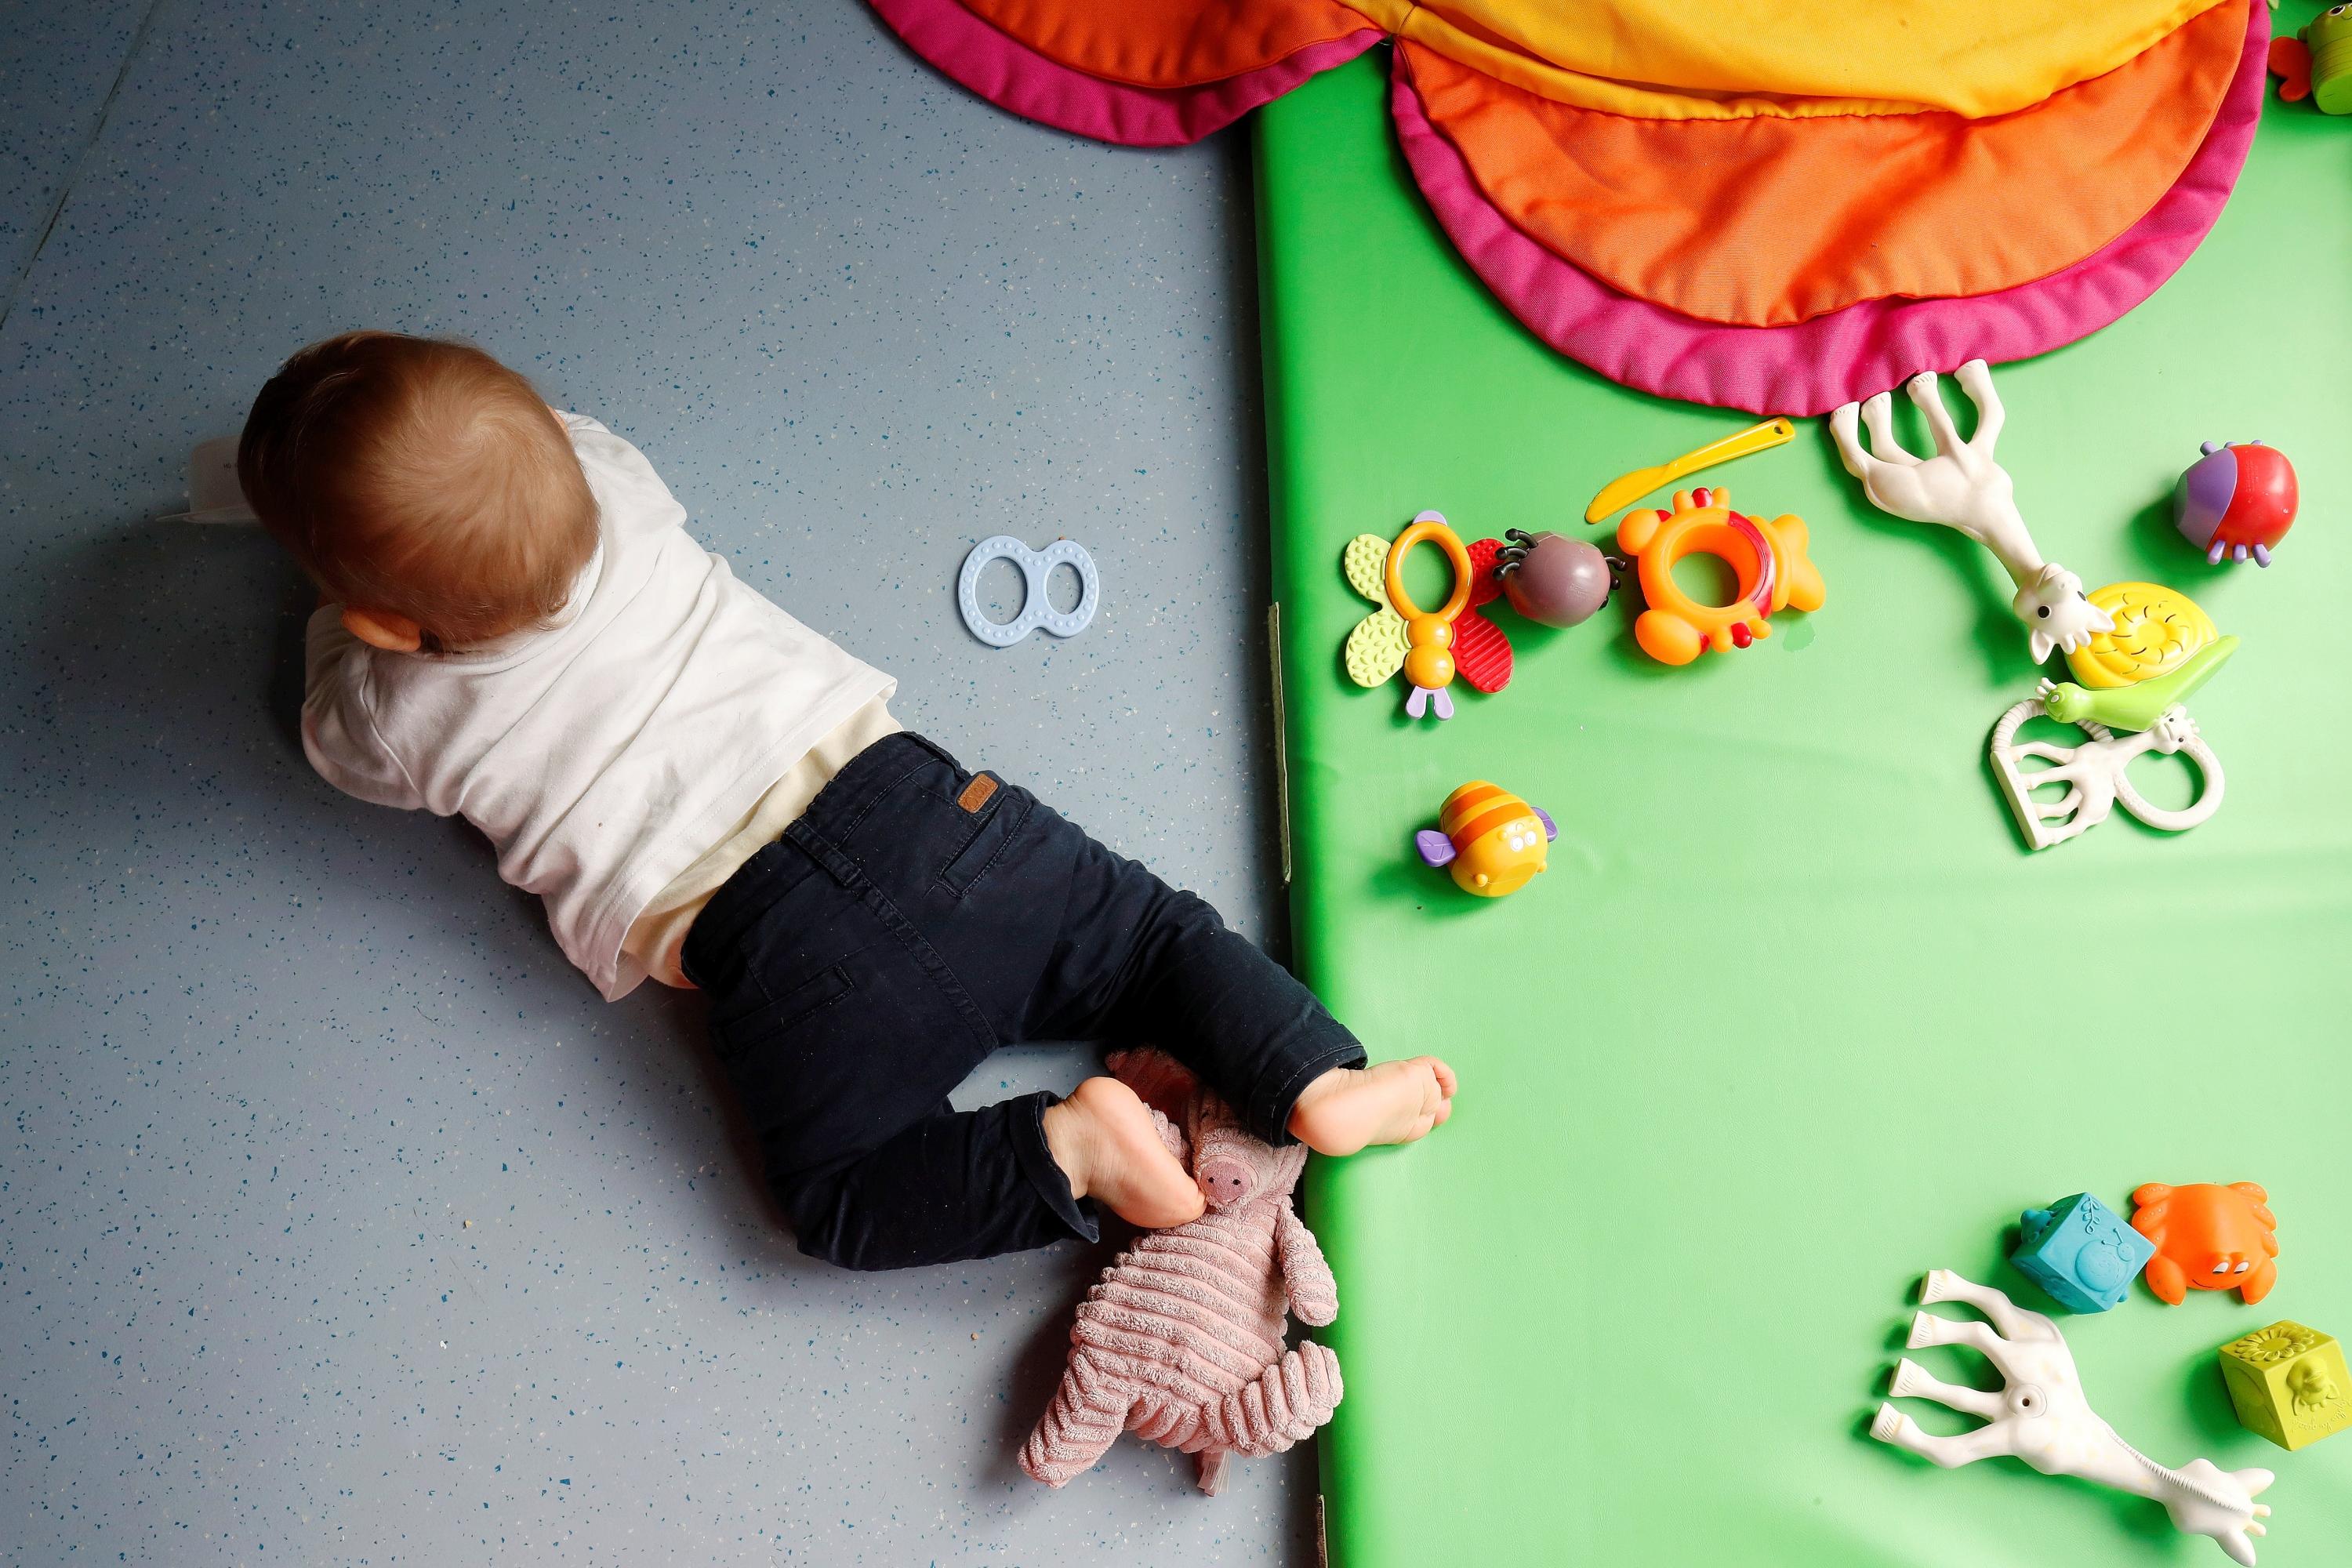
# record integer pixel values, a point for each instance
(1963, 488)
(2042, 1416)
(2094, 777)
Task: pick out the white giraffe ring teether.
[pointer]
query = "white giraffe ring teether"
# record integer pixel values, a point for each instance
(2094, 777)
(1037, 609)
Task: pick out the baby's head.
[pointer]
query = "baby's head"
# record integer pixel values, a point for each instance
(421, 485)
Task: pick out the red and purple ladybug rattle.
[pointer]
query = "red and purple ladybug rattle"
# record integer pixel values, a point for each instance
(2236, 501)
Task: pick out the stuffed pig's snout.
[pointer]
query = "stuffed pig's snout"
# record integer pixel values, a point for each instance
(1224, 1181)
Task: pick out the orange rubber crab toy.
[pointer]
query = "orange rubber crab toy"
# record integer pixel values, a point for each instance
(1769, 558)
(2208, 1237)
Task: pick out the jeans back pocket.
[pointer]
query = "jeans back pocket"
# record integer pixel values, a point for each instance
(1001, 815)
(744, 1027)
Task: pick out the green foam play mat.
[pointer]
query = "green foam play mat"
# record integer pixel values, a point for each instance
(1794, 1017)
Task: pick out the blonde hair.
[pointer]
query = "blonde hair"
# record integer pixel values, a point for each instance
(421, 476)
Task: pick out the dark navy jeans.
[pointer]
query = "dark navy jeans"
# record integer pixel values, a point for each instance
(915, 919)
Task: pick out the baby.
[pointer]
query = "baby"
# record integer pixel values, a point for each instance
(514, 625)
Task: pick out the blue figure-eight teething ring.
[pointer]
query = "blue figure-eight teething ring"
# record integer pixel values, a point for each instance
(1037, 609)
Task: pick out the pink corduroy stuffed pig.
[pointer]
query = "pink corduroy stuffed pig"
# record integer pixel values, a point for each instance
(1181, 1341)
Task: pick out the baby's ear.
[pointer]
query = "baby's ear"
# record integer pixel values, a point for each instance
(386, 629)
(1158, 1079)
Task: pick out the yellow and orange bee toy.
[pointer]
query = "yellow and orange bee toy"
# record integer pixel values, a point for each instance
(1489, 838)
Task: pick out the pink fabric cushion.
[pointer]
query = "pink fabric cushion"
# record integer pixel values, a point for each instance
(1013, 76)
(1810, 367)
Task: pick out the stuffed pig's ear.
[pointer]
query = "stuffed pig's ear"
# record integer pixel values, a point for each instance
(1158, 1079)
(1172, 1137)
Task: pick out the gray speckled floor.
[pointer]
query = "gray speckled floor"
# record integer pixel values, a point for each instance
(338, 1221)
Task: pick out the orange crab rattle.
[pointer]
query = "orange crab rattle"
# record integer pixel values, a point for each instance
(2208, 1237)
(1774, 571)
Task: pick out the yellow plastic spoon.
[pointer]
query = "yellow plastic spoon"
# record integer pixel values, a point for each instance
(1628, 489)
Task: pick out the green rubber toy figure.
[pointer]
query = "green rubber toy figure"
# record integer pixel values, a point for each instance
(2329, 39)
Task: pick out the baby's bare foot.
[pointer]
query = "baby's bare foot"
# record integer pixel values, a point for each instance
(1103, 1138)
(1388, 1102)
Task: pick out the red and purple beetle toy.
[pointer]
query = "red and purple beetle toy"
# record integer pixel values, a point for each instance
(2236, 501)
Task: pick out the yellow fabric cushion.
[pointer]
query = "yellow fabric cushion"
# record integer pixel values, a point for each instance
(1728, 59)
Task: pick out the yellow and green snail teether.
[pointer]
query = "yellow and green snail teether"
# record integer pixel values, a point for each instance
(2161, 649)
(2131, 683)
(2156, 630)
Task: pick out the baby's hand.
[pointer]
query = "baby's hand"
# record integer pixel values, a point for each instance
(1388, 1102)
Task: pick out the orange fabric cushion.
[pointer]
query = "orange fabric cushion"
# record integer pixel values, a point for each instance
(1765, 221)
(1168, 43)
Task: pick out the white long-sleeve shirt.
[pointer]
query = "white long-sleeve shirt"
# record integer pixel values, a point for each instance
(603, 755)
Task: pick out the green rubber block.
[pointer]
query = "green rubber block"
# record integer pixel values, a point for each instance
(1795, 1017)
